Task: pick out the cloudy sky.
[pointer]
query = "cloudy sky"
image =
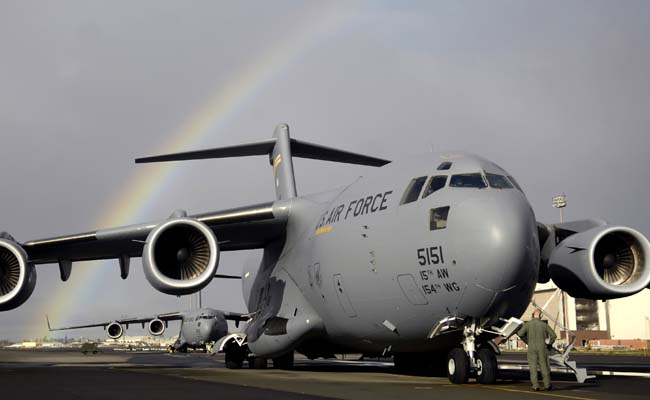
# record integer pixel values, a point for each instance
(556, 92)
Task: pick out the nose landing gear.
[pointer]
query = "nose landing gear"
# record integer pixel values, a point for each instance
(465, 361)
(458, 366)
(486, 366)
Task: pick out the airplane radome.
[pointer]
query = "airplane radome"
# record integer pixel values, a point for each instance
(427, 260)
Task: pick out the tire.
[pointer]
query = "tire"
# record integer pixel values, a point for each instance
(258, 363)
(235, 357)
(486, 362)
(283, 362)
(234, 364)
(457, 366)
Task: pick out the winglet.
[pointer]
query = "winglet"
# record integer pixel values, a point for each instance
(49, 328)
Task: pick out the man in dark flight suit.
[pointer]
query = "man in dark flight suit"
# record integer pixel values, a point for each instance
(535, 333)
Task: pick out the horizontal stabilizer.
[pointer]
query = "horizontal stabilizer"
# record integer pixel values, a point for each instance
(265, 147)
(318, 152)
(258, 148)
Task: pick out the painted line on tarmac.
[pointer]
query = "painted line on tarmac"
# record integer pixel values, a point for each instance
(561, 396)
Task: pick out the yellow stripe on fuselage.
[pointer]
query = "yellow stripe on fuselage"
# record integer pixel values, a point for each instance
(323, 229)
(276, 162)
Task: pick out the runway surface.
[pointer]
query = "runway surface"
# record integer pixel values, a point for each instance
(110, 375)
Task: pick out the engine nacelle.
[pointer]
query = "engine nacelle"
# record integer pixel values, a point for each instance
(180, 256)
(17, 275)
(601, 263)
(156, 327)
(114, 330)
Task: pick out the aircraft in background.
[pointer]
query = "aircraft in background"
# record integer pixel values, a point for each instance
(427, 259)
(200, 328)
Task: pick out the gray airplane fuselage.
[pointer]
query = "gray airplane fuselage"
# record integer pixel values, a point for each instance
(363, 272)
(201, 326)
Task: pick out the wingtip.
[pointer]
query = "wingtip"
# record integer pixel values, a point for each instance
(49, 328)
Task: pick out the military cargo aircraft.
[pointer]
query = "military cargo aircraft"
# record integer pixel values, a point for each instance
(200, 328)
(427, 259)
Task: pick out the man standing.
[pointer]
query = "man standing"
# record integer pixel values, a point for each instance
(535, 333)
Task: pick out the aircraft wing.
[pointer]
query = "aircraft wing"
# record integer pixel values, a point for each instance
(239, 228)
(175, 316)
(237, 317)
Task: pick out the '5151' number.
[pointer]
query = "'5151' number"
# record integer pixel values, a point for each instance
(431, 256)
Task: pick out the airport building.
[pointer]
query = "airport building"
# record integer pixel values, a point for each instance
(621, 322)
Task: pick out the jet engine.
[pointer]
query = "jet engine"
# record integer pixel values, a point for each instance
(601, 263)
(180, 256)
(17, 275)
(114, 330)
(156, 327)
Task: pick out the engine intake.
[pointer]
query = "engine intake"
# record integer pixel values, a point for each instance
(114, 330)
(17, 275)
(180, 256)
(156, 327)
(601, 263)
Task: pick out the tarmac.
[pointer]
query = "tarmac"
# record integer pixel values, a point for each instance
(59, 374)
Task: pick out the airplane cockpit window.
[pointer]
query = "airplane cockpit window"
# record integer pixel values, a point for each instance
(438, 218)
(413, 190)
(444, 166)
(436, 183)
(468, 181)
(498, 181)
(514, 182)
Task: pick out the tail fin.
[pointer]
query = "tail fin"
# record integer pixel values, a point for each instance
(281, 149)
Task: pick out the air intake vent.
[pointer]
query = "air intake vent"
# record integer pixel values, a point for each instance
(9, 271)
(616, 258)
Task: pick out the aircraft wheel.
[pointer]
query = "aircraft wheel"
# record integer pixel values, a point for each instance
(234, 361)
(235, 357)
(457, 366)
(257, 363)
(486, 366)
(283, 362)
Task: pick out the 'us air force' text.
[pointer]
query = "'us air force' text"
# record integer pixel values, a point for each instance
(365, 205)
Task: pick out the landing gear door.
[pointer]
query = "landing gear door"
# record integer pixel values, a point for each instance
(342, 295)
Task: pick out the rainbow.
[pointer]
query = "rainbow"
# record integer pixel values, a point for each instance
(145, 184)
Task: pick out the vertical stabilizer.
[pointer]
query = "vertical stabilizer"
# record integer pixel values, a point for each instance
(284, 179)
(280, 149)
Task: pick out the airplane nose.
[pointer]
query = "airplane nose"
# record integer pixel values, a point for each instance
(206, 328)
(499, 250)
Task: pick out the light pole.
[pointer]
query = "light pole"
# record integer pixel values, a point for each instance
(560, 202)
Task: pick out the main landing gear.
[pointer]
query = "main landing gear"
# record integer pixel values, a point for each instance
(465, 361)
(235, 356)
(283, 362)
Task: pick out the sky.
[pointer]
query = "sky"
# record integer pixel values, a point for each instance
(556, 92)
